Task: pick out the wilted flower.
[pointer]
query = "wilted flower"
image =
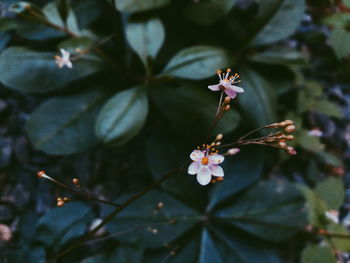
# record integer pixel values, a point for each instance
(64, 60)
(226, 84)
(205, 166)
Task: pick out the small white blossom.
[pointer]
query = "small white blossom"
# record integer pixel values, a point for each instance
(64, 60)
(315, 132)
(332, 215)
(226, 84)
(205, 166)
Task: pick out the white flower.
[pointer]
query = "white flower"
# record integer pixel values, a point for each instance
(315, 132)
(332, 215)
(226, 84)
(64, 60)
(205, 166)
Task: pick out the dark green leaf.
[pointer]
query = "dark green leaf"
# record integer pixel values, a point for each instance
(308, 142)
(156, 226)
(331, 190)
(272, 20)
(239, 174)
(123, 116)
(61, 224)
(77, 43)
(207, 12)
(146, 38)
(65, 125)
(339, 41)
(259, 99)
(329, 158)
(318, 254)
(197, 62)
(177, 103)
(130, 252)
(37, 72)
(132, 6)
(284, 56)
(272, 210)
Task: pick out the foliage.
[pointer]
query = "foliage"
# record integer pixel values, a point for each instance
(137, 95)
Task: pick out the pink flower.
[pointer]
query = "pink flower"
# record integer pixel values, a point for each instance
(64, 60)
(205, 166)
(226, 84)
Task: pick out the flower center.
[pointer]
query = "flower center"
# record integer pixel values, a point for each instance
(205, 160)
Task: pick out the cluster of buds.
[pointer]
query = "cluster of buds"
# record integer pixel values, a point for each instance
(280, 138)
(61, 201)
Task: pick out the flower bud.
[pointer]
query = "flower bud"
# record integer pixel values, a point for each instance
(290, 128)
(60, 203)
(219, 137)
(289, 137)
(282, 124)
(75, 181)
(282, 144)
(291, 150)
(41, 174)
(289, 122)
(219, 179)
(227, 107)
(227, 100)
(233, 151)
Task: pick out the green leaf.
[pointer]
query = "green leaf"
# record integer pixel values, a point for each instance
(329, 158)
(272, 210)
(208, 12)
(123, 116)
(146, 38)
(339, 20)
(177, 103)
(280, 55)
(132, 6)
(308, 142)
(332, 191)
(339, 41)
(239, 174)
(37, 72)
(272, 19)
(258, 100)
(156, 226)
(326, 107)
(65, 125)
(130, 252)
(318, 254)
(316, 207)
(341, 243)
(53, 15)
(61, 224)
(197, 62)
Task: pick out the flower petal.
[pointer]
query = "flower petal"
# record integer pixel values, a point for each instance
(216, 159)
(204, 176)
(214, 87)
(237, 89)
(230, 92)
(196, 155)
(194, 167)
(216, 170)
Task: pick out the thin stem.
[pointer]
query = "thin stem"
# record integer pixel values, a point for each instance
(221, 96)
(115, 212)
(251, 132)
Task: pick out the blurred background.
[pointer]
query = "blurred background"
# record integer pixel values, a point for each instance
(135, 104)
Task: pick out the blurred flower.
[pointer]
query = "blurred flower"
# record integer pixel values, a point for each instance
(5, 233)
(226, 84)
(332, 215)
(205, 166)
(64, 60)
(315, 132)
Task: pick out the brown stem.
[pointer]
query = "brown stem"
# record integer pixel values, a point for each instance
(115, 212)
